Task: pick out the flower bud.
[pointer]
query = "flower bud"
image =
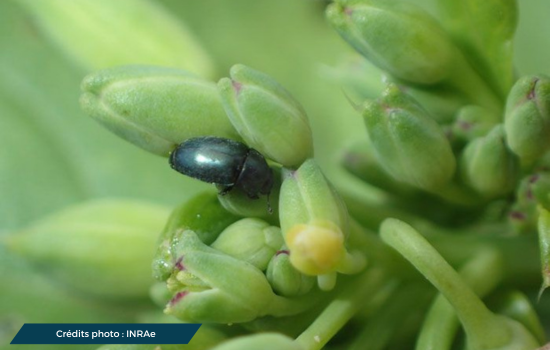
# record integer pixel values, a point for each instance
(266, 116)
(314, 221)
(285, 279)
(204, 215)
(250, 240)
(109, 242)
(488, 166)
(101, 33)
(397, 37)
(525, 194)
(473, 122)
(264, 341)
(527, 118)
(210, 286)
(155, 108)
(408, 144)
(523, 218)
(523, 213)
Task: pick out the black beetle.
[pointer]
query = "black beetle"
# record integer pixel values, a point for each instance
(224, 162)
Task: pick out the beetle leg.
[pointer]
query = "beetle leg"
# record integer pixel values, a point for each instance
(225, 189)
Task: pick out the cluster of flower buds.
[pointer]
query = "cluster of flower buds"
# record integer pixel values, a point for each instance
(226, 258)
(453, 133)
(452, 143)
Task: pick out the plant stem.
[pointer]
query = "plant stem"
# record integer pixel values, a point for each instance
(483, 328)
(390, 319)
(441, 323)
(343, 308)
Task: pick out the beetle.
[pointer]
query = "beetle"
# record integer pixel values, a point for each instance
(224, 162)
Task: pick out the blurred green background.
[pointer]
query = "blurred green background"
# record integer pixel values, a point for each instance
(52, 155)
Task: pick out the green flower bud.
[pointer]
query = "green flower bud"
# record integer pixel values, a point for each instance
(408, 144)
(155, 108)
(488, 166)
(397, 37)
(250, 240)
(211, 286)
(525, 195)
(523, 218)
(522, 215)
(102, 33)
(527, 118)
(360, 161)
(264, 341)
(204, 215)
(473, 122)
(109, 242)
(314, 221)
(267, 117)
(285, 279)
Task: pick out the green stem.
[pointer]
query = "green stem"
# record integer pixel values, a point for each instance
(281, 306)
(521, 253)
(343, 308)
(371, 212)
(484, 329)
(456, 194)
(441, 324)
(391, 318)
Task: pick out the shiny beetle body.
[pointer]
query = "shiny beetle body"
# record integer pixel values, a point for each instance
(226, 163)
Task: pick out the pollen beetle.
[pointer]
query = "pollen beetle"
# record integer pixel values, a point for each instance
(226, 163)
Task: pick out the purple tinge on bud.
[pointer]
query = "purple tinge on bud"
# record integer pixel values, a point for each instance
(284, 251)
(177, 297)
(527, 118)
(179, 265)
